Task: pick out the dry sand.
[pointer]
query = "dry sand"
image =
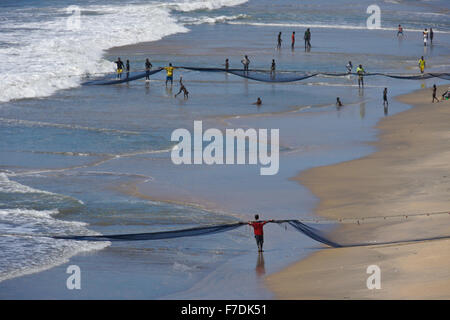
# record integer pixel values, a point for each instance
(409, 174)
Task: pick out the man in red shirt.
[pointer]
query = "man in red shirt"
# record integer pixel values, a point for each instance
(293, 40)
(258, 229)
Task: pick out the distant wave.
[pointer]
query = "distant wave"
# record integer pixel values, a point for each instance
(45, 56)
(211, 20)
(64, 126)
(22, 254)
(9, 186)
(187, 6)
(324, 26)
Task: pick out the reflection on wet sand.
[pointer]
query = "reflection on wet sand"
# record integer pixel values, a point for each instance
(260, 268)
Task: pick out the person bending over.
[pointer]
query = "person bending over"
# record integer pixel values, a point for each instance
(182, 89)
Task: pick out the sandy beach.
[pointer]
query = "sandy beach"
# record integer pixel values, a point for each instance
(85, 159)
(407, 175)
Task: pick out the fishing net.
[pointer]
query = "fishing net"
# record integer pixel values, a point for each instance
(264, 75)
(198, 231)
(125, 77)
(369, 231)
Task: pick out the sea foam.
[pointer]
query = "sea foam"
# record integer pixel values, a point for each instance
(41, 57)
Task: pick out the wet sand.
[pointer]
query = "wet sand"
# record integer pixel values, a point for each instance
(409, 174)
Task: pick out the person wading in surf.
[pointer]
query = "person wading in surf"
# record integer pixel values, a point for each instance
(258, 230)
(169, 74)
(148, 66)
(120, 66)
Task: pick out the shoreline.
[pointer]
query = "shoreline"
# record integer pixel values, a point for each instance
(95, 259)
(405, 175)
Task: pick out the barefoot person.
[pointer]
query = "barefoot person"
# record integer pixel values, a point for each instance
(128, 68)
(272, 69)
(434, 94)
(307, 38)
(246, 63)
(182, 89)
(279, 41)
(349, 67)
(422, 64)
(400, 30)
(425, 37)
(360, 71)
(148, 66)
(169, 74)
(258, 230)
(120, 67)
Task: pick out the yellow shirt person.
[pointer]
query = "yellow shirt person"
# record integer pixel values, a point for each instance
(422, 64)
(169, 73)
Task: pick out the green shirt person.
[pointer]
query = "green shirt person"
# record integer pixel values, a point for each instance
(360, 71)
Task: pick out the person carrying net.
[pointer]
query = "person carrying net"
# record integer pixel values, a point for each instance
(258, 231)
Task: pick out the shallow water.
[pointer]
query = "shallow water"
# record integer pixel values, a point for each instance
(96, 158)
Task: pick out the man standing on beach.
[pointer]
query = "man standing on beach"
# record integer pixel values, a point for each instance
(293, 40)
(279, 41)
(128, 68)
(431, 36)
(169, 74)
(425, 37)
(119, 64)
(349, 67)
(385, 99)
(245, 62)
(272, 68)
(434, 94)
(148, 66)
(258, 230)
(307, 38)
(400, 30)
(360, 71)
(422, 64)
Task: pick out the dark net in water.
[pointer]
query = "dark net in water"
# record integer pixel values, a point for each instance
(262, 75)
(423, 227)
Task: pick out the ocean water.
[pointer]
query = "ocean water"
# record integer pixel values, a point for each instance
(89, 159)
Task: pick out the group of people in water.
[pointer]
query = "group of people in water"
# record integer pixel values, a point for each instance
(246, 63)
(427, 34)
(360, 71)
(120, 66)
(306, 37)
